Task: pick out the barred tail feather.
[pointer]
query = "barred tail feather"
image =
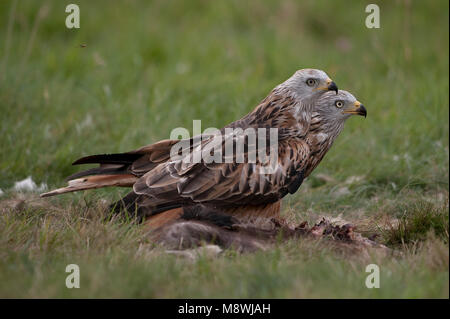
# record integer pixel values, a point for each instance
(91, 182)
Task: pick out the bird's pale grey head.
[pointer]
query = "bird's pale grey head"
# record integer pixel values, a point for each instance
(333, 109)
(308, 84)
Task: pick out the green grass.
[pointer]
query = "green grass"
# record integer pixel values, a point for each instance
(417, 222)
(149, 67)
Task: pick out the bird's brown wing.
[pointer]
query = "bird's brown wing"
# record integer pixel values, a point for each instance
(122, 169)
(225, 184)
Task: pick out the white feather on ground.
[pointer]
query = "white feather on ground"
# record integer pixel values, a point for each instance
(28, 185)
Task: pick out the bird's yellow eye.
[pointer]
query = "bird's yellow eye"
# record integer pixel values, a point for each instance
(310, 82)
(339, 104)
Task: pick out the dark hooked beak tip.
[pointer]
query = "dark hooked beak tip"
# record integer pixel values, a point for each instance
(333, 87)
(362, 111)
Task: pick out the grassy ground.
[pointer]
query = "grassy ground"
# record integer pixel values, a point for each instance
(146, 68)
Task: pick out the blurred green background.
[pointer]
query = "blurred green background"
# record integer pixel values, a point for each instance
(137, 69)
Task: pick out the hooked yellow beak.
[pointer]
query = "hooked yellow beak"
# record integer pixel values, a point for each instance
(330, 86)
(357, 109)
